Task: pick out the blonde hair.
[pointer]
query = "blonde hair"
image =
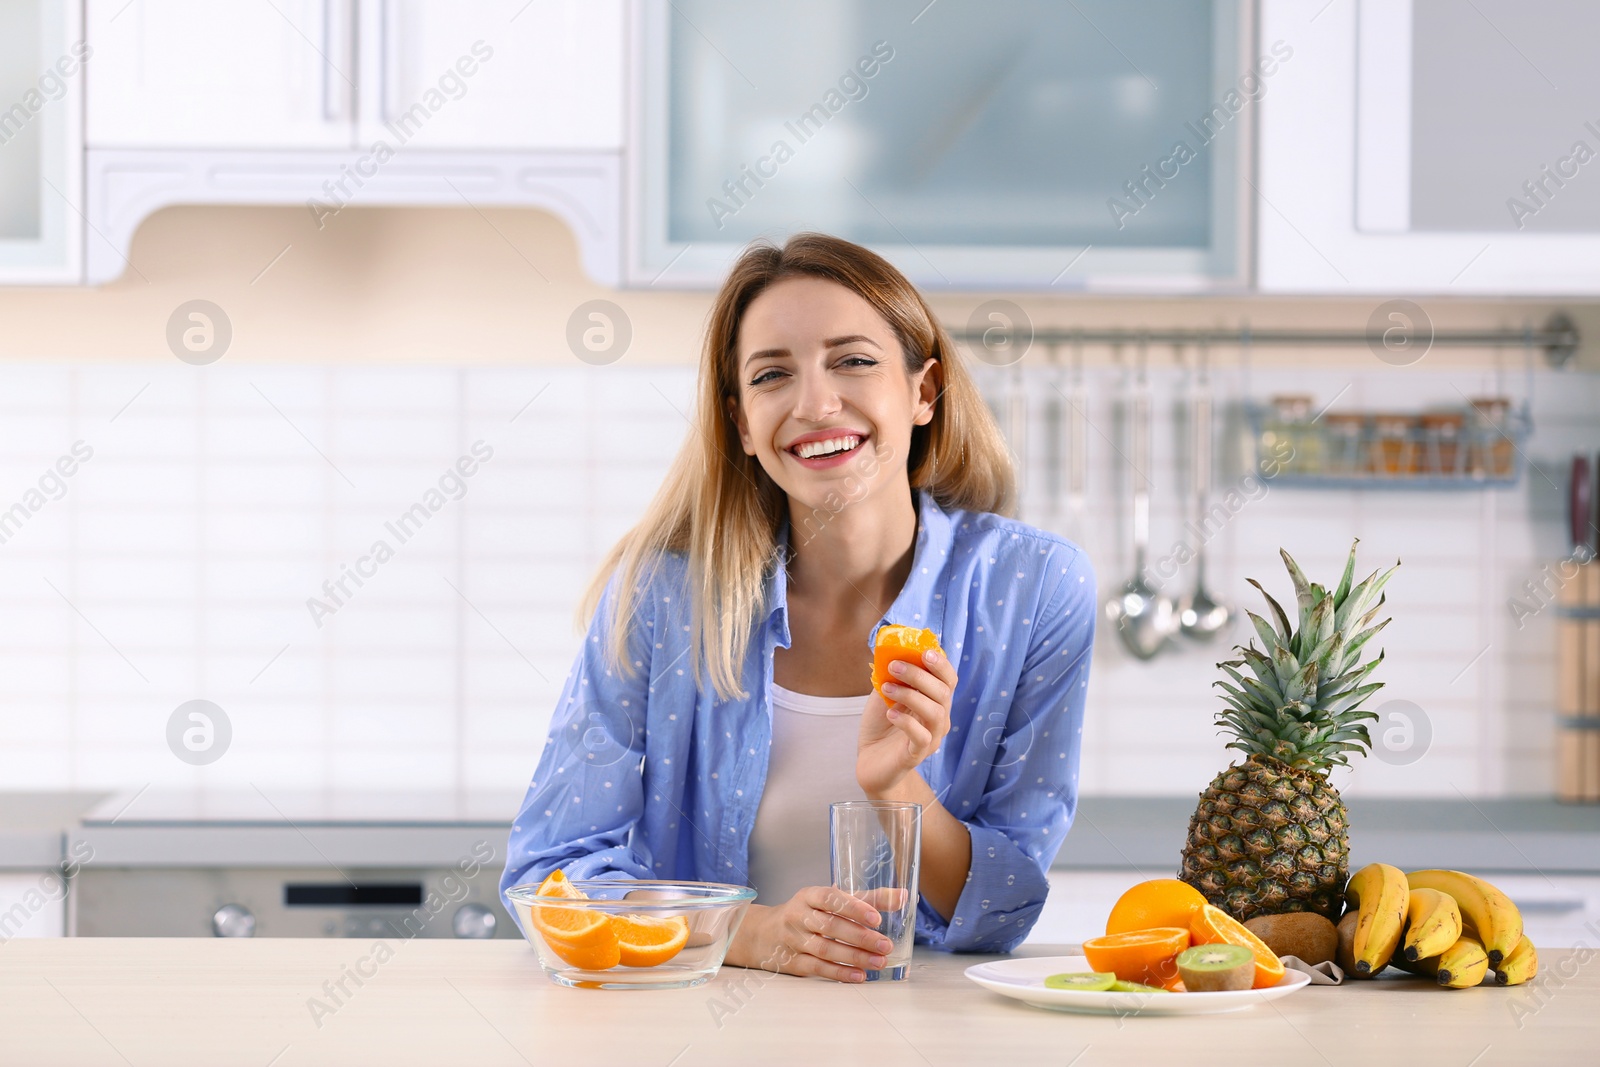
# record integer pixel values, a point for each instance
(720, 509)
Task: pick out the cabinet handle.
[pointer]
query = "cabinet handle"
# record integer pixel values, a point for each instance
(386, 59)
(338, 48)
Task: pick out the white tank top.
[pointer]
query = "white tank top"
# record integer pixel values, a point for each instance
(813, 764)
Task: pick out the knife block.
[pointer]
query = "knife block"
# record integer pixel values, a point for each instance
(1578, 690)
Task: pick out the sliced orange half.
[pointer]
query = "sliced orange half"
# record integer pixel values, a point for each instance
(646, 941)
(1145, 956)
(1210, 925)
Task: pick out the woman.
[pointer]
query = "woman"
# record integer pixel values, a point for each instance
(844, 474)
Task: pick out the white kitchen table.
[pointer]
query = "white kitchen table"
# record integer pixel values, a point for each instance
(131, 1001)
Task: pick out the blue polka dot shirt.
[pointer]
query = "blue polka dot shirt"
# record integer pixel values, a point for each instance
(650, 776)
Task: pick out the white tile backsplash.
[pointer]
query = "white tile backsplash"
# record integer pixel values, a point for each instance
(179, 561)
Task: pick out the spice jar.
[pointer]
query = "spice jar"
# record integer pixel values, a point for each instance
(1391, 454)
(1441, 443)
(1291, 422)
(1343, 438)
(1492, 454)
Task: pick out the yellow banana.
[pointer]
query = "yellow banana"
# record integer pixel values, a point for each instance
(1463, 964)
(1380, 894)
(1344, 955)
(1433, 922)
(1486, 913)
(1518, 967)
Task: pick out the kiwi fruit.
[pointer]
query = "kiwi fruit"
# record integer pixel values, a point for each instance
(1082, 981)
(1303, 934)
(1119, 986)
(1345, 954)
(1217, 968)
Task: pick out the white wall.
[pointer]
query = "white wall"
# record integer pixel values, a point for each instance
(179, 561)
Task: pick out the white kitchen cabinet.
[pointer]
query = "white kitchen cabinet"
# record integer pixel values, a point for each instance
(197, 73)
(32, 904)
(41, 141)
(298, 74)
(1431, 146)
(332, 103)
(492, 74)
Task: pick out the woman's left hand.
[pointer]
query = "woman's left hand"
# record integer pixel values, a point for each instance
(895, 738)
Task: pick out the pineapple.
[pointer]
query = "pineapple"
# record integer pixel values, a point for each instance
(1270, 834)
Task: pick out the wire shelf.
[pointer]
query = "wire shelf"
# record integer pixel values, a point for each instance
(1331, 453)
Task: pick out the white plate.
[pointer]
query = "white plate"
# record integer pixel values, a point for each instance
(1023, 979)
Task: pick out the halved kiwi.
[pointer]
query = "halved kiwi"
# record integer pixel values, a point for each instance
(1082, 981)
(1119, 986)
(1217, 968)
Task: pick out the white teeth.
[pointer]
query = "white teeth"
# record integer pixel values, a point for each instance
(812, 449)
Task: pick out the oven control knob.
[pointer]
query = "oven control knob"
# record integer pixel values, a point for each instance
(233, 920)
(473, 920)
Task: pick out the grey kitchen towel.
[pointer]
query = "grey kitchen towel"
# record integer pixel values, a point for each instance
(1321, 973)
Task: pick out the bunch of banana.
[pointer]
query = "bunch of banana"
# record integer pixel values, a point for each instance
(1486, 913)
(1446, 924)
(1465, 963)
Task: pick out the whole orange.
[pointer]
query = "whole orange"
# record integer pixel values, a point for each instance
(1158, 902)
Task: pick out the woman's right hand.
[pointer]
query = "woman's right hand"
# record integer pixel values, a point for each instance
(819, 931)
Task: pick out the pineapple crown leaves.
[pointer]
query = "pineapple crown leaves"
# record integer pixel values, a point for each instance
(1298, 697)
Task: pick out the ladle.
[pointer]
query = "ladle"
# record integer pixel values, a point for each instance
(1143, 616)
(1201, 617)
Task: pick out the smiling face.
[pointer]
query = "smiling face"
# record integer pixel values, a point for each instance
(825, 402)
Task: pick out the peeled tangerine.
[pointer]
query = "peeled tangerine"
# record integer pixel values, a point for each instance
(899, 642)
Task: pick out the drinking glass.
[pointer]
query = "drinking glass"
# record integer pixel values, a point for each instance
(875, 848)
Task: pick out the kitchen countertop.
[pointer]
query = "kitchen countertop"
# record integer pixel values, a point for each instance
(120, 1001)
(1142, 833)
(289, 828)
(1510, 834)
(33, 826)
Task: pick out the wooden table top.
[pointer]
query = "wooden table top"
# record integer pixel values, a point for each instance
(136, 1001)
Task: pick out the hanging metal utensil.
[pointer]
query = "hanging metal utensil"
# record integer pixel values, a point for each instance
(1051, 417)
(1017, 432)
(1201, 617)
(1144, 617)
(1077, 442)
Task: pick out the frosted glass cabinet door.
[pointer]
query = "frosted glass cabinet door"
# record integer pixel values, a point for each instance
(41, 141)
(221, 73)
(1026, 144)
(492, 74)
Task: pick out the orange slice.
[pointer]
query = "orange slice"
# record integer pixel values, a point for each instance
(557, 885)
(1145, 956)
(899, 642)
(1210, 925)
(580, 937)
(646, 941)
(1158, 902)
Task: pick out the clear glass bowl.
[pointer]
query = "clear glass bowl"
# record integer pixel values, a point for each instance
(711, 910)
